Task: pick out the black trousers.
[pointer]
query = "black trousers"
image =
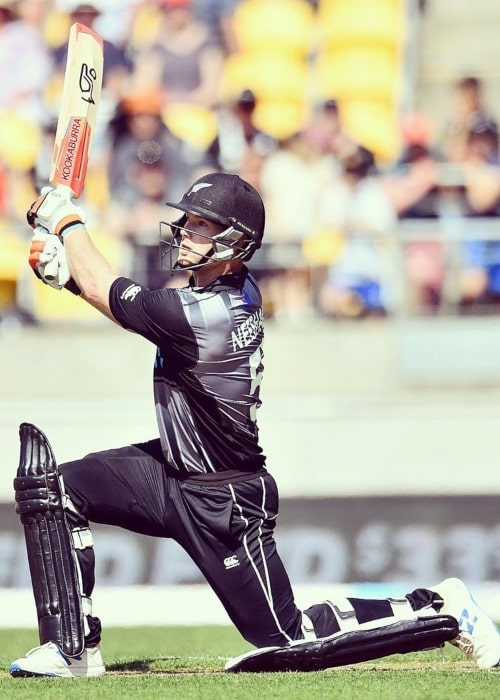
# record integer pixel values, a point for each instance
(225, 522)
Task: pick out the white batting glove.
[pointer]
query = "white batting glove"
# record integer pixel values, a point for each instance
(48, 259)
(54, 211)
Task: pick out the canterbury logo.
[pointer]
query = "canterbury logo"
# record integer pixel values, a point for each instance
(200, 186)
(231, 562)
(131, 292)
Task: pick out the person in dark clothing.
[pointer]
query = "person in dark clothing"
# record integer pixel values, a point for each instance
(203, 480)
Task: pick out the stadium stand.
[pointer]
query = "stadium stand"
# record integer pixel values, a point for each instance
(276, 40)
(295, 56)
(360, 62)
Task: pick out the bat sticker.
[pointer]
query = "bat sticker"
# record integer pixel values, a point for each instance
(88, 76)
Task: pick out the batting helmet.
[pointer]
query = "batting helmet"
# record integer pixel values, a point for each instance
(227, 200)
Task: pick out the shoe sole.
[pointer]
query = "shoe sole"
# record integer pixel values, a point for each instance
(23, 673)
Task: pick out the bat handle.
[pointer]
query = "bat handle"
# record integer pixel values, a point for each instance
(51, 268)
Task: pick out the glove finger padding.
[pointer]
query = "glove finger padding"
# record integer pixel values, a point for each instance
(47, 259)
(54, 211)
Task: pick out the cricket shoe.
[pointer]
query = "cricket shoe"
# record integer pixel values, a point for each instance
(479, 636)
(48, 660)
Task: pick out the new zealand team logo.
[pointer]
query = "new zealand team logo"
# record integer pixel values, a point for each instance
(88, 76)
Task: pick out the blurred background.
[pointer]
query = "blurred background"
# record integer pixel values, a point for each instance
(370, 127)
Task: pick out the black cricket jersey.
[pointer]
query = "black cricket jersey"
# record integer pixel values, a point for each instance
(207, 371)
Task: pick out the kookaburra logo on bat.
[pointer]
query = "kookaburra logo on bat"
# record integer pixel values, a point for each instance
(88, 77)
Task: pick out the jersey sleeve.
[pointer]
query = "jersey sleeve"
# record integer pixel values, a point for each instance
(156, 314)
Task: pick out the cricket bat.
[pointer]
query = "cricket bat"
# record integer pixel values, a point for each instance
(77, 114)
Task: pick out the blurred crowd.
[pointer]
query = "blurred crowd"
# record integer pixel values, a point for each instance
(192, 86)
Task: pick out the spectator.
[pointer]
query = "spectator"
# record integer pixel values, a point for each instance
(480, 168)
(453, 192)
(143, 155)
(240, 146)
(480, 274)
(292, 179)
(414, 191)
(358, 283)
(25, 63)
(115, 21)
(413, 184)
(217, 15)
(137, 131)
(469, 114)
(183, 59)
(139, 225)
(325, 132)
(117, 67)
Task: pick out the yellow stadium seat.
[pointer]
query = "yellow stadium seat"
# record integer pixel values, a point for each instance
(281, 119)
(270, 74)
(14, 252)
(7, 295)
(284, 25)
(50, 305)
(323, 246)
(12, 260)
(365, 22)
(52, 92)
(281, 84)
(237, 75)
(374, 123)
(56, 28)
(97, 193)
(20, 141)
(193, 124)
(357, 72)
(146, 23)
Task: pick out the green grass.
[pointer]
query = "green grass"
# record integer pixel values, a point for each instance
(186, 663)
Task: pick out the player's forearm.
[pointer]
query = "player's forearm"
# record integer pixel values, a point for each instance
(89, 268)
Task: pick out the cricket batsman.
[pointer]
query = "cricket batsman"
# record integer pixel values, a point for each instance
(203, 479)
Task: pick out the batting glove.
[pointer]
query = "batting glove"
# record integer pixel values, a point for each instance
(48, 261)
(54, 211)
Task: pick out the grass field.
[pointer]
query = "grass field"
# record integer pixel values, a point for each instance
(187, 663)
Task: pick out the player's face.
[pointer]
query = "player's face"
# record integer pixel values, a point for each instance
(195, 245)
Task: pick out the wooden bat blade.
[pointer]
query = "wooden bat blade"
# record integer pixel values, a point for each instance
(78, 111)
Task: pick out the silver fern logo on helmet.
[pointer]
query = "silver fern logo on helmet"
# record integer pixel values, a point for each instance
(198, 186)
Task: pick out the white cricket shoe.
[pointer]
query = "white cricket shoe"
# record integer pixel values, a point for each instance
(48, 660)
(479, 636)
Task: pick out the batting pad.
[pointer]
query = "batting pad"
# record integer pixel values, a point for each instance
(402, 637)
(49, 543)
